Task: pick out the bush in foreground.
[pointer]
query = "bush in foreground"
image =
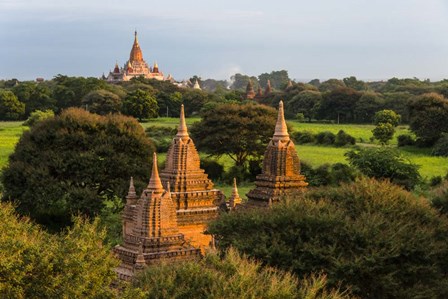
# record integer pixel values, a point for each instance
(373, 236)
(36, 264)
(232, 276)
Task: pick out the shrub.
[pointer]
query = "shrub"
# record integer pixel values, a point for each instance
(370, 235)
(300, 117)
(385, 163)
(232, 276)
(327, 174)
(326, 137)
(239, 172)
(214, 170)
(439, 198)
(435, 181)
(343, 138)
(405, 140)
(441, 146)
(37, 116)
(302, 137)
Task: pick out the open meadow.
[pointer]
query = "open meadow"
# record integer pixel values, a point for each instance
(314, 155)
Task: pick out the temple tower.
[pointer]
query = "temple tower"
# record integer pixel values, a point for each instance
(268, 89)
(150, 231)
(281, 168)
(194, 196)
(235, 198)
(250, 93)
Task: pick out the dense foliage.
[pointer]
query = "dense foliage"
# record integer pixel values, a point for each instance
(75, 162)
(379, 239)
(36, 264)
(239, 131)
(385, 163)
(232, 276)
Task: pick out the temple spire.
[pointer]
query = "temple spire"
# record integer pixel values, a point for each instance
(235, 198)
(131, 192)
(154, 182)
(281, 130)
(182, 129)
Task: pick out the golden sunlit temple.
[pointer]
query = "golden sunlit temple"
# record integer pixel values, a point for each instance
(136, 66)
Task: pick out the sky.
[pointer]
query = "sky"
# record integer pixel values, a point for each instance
(369, 39)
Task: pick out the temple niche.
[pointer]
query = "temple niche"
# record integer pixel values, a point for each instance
(150, 230)
(281, 168)
(136, 66)
(194, 195)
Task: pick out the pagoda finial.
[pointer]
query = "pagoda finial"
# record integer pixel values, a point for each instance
(140, 260)
(281, 130)
(182, 130)
(155, 184)
(235, 188)
(131, 192)
(235, 198)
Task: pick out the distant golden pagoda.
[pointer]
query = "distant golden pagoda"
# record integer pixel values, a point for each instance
(281, 168)
(150, 231)
(136, 66)
(195, 197)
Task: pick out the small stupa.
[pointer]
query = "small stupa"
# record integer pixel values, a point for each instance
(196, 85)
(194, 195)
(250, 93)
(235, 198)
(150, 231)
(268, 89)
(281, 168)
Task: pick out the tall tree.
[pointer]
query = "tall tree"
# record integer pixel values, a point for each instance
(75, 163)
(428, 115)
(10, 107)
(306, 102)
(140, 104)
(102, 102)
(238, 131)
(279, 79)
(339, 105)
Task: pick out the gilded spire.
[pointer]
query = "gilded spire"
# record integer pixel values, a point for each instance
(154, 182)
(136, 52)
(131, 192)
(235, 198)
(182, 129)
(281, 130)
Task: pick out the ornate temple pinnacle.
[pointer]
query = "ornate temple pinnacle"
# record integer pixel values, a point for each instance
(155, 184)
(182, 130)
(281, 130)
(131, 192)
(235, 188)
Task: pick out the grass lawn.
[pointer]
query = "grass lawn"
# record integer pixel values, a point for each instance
(10, 133)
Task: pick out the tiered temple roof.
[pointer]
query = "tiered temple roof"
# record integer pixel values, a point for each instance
(195, 197)
(136, 66)
(281, 168)
(150, 231)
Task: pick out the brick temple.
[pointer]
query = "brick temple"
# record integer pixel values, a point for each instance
(194, 195)
(280, 174)
(150, 230)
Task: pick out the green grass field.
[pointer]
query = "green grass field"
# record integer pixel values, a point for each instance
(314, 155)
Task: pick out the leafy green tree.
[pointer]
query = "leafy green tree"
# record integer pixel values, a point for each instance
(306, 102)
(428, 117)
(35, 96)
(10, 107)
(101, 102)
(387, 116)
(369, 235)
(354, 83)
(331, 84)
(339, 105)
(36, 264)
(279, 79)
(398, 102)
(369, 103)
(38, 116)
(75, 162)
(383, 132)
(194, 100)
(232, 276)
(239, 81)
(385, 163)
(385, 121)
(169, 103)
(140, 104)
(238, 131)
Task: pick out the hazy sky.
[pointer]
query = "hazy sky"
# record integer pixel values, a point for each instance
(371, 39)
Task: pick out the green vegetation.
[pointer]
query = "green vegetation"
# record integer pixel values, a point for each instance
(75, 163)
(233, 276)
(36, 264)
(371, 236)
